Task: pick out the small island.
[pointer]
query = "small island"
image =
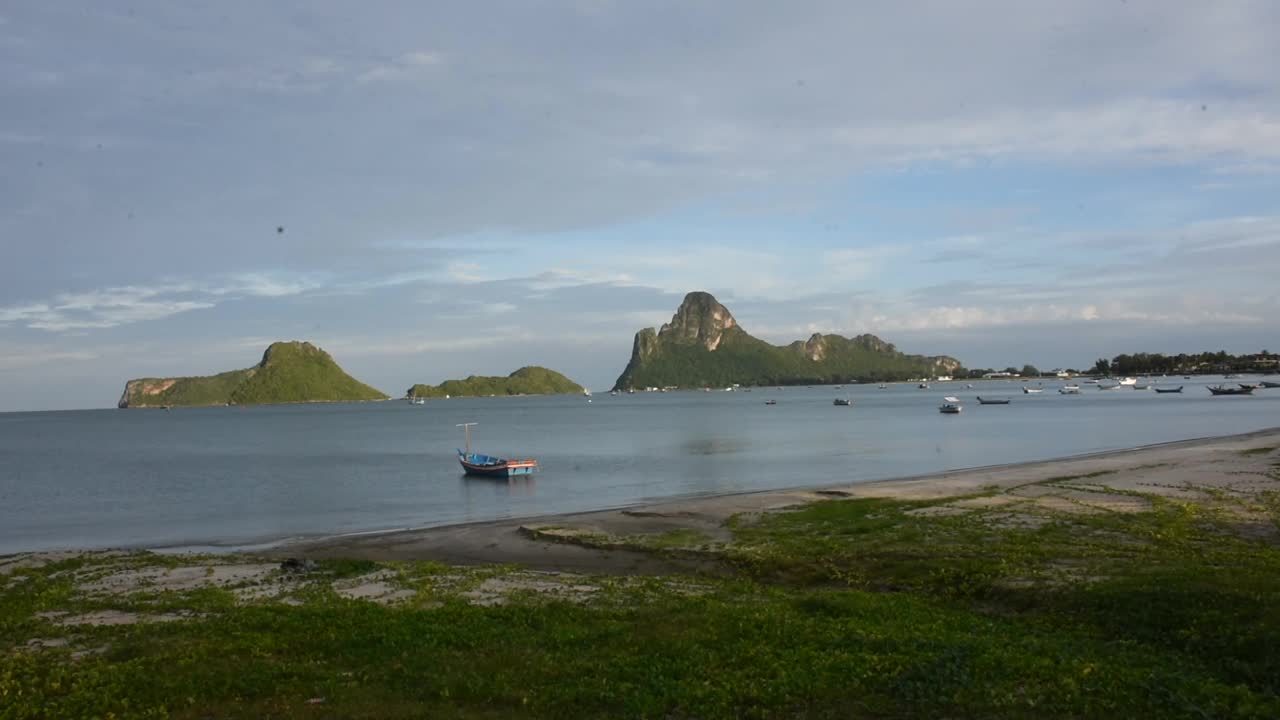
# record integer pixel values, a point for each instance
(290, 372)
(531, 380)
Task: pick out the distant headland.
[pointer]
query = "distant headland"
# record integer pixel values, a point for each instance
(703, 346)
(290, 372)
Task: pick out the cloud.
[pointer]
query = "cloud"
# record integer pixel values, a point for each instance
(407, 65)
(123, 305)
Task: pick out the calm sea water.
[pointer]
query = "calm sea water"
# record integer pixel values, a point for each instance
(242, 476)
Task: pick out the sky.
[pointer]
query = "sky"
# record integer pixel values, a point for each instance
(429, 190)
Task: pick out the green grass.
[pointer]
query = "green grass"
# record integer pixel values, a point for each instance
(846, 608)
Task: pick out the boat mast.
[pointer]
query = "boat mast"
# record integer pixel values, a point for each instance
(467, 430)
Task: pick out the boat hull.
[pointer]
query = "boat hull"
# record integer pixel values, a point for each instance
(486, 466)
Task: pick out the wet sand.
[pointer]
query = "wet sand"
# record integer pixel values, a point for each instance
(1239, 466)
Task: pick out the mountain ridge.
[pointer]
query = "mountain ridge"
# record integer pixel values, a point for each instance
(289, 372)
(704, 346)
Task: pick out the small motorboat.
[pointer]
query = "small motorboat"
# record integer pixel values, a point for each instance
(1129, 381)
(1031, 391)
(923, 386)
(770, 402)
(1224, 390)
(1069, 390)
(489, 466)
(1166, 391)
(992, 401)
(1142, 386)
(950, 406)
(842, 402)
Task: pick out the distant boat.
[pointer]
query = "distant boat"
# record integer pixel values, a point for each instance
(969, 385)
(586, 392)
(1165, 391)
(1269, 384)
(1091, 381)
(1230, 376)
(1224, 390)
(1069, 390)
(1129, 381)
(1142, 386)
(883, 386)
(489, 466)
(1112, 385)
(923, 386)
(1031, 391)
(1186, 377)
(950, 406)
(992, 401)
(770, 402)
(417, 401)
(842, 402)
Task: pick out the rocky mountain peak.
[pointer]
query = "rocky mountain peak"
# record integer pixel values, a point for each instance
(701, 319)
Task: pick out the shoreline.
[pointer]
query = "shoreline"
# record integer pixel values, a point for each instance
(525, 540)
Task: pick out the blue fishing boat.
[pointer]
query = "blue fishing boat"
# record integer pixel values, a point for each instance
(489, 466)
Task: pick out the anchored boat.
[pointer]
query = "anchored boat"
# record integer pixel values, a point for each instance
(950, 406)
(992, 401)
(1166, 391)
(489, 466)
(1224, 390)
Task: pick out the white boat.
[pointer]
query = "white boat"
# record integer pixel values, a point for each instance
(417, 401)
(1142, 386)
(586, 392)
(1069, 390)
(1129, 381)
(1109, 386)
(1032, 391)
(950, 406)
(923, 386)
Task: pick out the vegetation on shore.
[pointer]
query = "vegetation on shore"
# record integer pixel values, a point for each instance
(289, 372)
(531, 380)
(1221, 361)
(844, 608)
(703, 346)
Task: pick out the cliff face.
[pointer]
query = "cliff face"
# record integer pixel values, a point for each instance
(703, 346)
(288, 372)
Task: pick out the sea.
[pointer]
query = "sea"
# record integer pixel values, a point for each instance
(245, 477)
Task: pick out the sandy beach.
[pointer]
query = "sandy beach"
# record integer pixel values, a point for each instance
(1205, 470)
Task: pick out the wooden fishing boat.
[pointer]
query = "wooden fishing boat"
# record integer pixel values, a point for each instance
(992, 401)
(1165, 391)
(1224, 390)
(489, 466)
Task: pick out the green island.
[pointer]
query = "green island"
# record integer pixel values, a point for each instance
(1094, 594)
(704, 346)
(290, 372)
(530, 380)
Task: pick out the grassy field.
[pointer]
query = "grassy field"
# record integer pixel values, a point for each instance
(846, 608)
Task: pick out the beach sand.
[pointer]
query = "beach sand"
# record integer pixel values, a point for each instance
(1226, 471)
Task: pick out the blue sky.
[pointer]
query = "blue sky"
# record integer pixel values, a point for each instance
(474, 187)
